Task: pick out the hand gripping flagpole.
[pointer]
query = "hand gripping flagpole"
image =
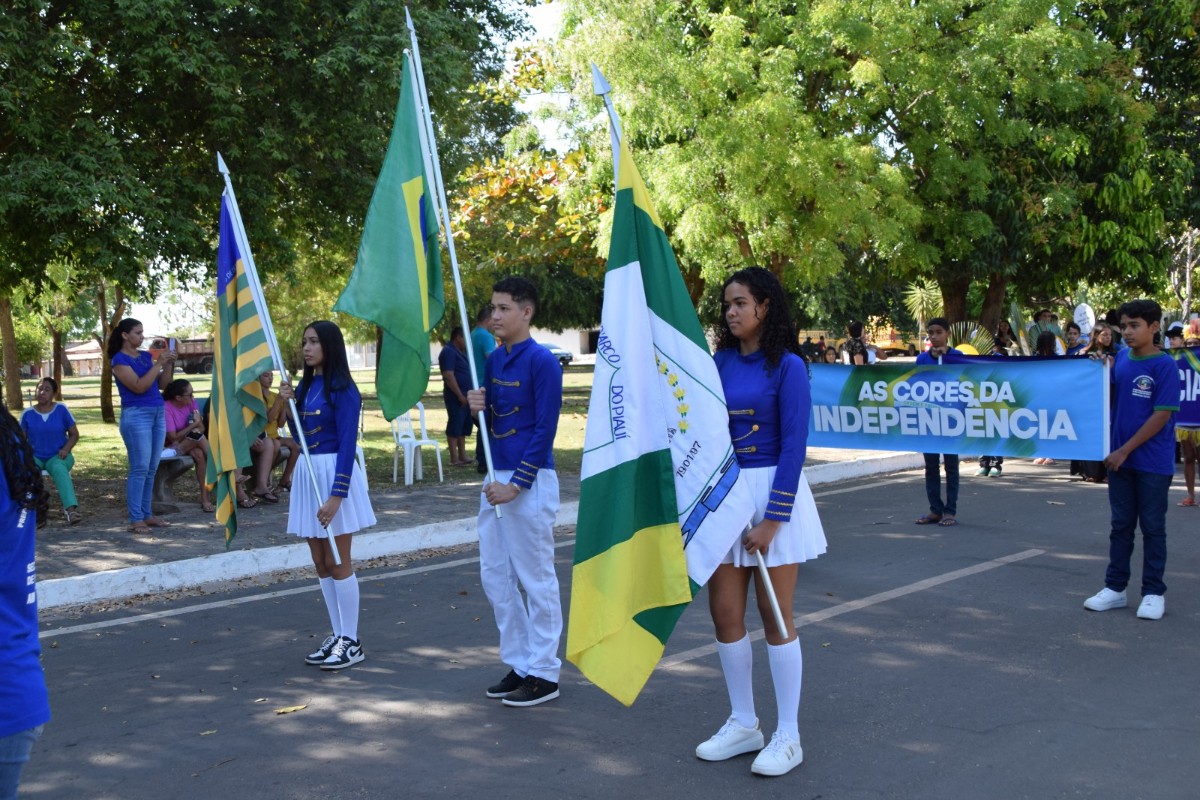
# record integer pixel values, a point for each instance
(602, 88)
(434, 170)
(243, 243)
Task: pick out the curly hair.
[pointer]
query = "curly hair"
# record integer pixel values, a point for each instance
(23, 476)
(778, 332)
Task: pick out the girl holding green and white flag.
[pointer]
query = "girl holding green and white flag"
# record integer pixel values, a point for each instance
(766, 385)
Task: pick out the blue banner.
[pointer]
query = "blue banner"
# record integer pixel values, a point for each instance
(1051, 408)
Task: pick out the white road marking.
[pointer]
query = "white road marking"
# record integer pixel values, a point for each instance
(854, 605)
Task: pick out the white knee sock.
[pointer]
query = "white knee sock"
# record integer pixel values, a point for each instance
(347, 600)
(331, 605)
(787, 669)
(737, 662)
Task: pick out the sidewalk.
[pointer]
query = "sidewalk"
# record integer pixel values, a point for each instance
(90, 563)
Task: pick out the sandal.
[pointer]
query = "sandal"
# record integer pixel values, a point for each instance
(1187, 501)
(929, 519)
(208, 508)
(948, 521)
(140, 528)
(156, 522)
(267, 497)
(283, 486)
(249, 502)
(72, 514)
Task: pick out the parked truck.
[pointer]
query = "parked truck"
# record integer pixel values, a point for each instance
(195, 355)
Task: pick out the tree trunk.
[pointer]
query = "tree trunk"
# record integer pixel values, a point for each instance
(954, 297)
(12, 367)
(58, 359)
(993, 301)
(107, 323)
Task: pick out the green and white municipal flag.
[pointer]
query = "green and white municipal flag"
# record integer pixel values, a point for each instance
(397, 278)
(660, 502)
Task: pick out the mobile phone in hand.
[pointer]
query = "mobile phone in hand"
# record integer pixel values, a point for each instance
(172, 343)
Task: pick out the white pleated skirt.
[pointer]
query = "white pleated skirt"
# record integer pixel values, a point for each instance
(800, 539)
(354, 514)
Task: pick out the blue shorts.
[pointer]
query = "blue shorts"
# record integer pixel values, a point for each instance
(458, 415)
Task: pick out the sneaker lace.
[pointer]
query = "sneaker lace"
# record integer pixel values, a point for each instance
(779, 743)
(339, 648)
(731, 728)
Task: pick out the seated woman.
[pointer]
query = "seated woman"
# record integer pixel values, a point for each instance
(185, 432)
(277, 413)
(52, 432)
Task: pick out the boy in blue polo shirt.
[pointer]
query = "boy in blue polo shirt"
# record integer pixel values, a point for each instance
(520, 402)
(940, 512)
(1142, 461)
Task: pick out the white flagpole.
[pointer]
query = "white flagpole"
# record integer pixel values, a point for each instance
(239, 232)
(429, 147)
(601, 87)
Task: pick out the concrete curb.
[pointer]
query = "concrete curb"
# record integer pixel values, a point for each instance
(194, 572)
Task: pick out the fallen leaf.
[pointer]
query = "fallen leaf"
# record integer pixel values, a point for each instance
(261, 700)
(291, 709)
(1055, 503)
(207, 733)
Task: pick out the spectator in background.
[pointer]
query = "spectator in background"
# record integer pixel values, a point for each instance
(1047, 346)
(829, 356)
(1006, 342)
(277, 414)
(821, 348)
(1075, 346)
(1187, 420)
(140, 381)
(1100, 347)
(456, 380)
(52, 434)
(24, 704)
(808, 348)
(483, 342)
(185, 433)
(854, 349)
(1175, 336)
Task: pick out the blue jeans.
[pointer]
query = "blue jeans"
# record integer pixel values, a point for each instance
(1137, 497)
(933, 484)
(144, 430)
(14, 752)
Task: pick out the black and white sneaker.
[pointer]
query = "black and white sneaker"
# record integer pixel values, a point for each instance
(508, 684)
(346, 653)
(532, 691)
(318, 656)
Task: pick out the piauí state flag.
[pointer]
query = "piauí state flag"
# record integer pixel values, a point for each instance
(237, 413)
(660, 502)
(397, 279)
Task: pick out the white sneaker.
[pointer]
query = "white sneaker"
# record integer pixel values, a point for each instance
(780, 757)
(1152, 607)
(1105, 600)
(732, 740)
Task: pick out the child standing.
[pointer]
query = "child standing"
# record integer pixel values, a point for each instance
(1142, 461)
(940, 513)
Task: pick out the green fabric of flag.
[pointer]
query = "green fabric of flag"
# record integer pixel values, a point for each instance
(397, 278)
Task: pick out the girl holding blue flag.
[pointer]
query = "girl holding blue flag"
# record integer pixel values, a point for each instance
(328, 404)
(766, 385)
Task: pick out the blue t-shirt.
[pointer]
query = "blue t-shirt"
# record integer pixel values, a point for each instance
(769, 408)
(141, 365)
(451, 359)
(24, 703)
(925, 358)
(524, 398)
(47, 435)
(1142, 386)
(483, 343)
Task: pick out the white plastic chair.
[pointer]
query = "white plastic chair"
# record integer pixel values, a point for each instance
(406, 439)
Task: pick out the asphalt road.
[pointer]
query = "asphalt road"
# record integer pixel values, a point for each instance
(939, 663)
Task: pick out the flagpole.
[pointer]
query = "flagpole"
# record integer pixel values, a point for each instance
(239, 231)
(601, 87)
(429, 147)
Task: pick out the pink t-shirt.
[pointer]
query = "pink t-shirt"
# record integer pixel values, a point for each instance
(177, 418)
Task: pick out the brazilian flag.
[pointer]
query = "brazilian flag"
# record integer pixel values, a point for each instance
(397, 281)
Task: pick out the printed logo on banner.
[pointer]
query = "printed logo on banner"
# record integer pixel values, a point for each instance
(1143, 386)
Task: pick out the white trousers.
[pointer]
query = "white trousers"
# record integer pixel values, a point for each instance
(519, 548)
